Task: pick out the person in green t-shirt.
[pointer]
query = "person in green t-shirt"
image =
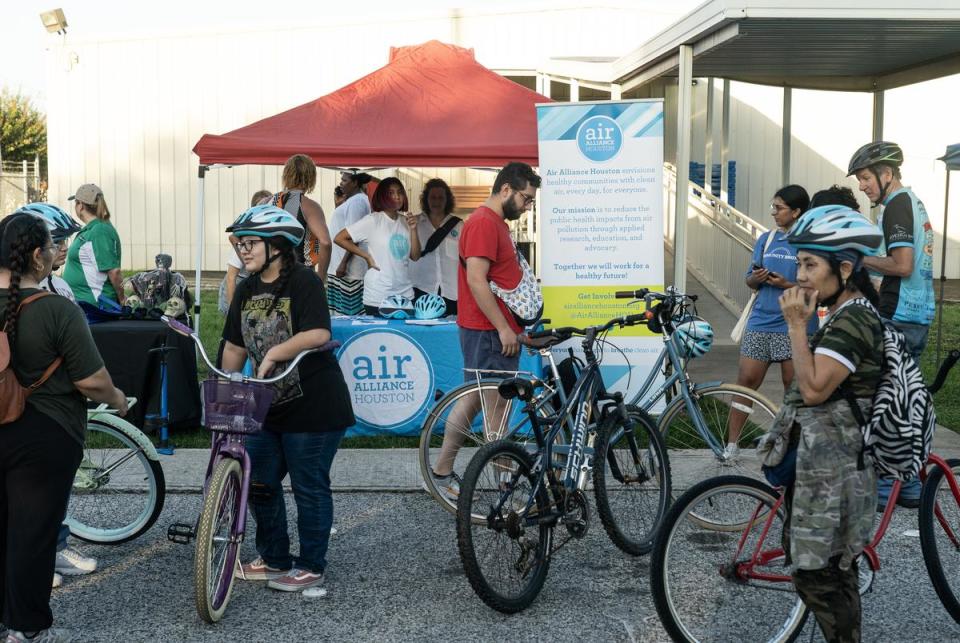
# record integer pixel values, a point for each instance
(93, 261)
(41, 449)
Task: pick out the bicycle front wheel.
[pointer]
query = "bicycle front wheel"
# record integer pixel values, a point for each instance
(507, 556)
(724, 408)
(117, 492)
(631, 480)
(215, 559)
(940, 536)
(462, 421)
(711, 585)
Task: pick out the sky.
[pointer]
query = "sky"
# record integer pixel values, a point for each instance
(23, 38)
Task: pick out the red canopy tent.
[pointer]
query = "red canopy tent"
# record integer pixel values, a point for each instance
(432, 105)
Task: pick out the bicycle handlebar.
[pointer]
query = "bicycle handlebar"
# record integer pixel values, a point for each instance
(941, 377)
(185, 330)
(565, 332)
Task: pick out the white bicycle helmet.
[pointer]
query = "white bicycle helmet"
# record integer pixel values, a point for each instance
(60, 224)
(396, 307)
(693, 337)
(429, 307)
(267, 221)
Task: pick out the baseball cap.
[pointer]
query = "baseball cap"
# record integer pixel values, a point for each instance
(87, 193)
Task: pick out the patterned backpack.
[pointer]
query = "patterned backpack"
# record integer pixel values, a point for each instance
(899, 432)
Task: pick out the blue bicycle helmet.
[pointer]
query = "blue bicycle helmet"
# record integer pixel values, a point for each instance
(268, 221)
(693, 337)
(429, 307)
(835, 230)
(396, 307)
(60, 224)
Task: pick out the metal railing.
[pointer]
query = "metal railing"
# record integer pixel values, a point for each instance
(720, 240)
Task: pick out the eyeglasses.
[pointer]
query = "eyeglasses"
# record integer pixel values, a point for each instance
(53, 246)
(246, 246)
(776, 208)
(527, 199)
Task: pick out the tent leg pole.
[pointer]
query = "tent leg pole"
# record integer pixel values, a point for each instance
(199, 258)
(943, 269)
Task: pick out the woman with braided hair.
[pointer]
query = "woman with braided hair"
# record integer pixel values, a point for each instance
(276, 313)
(40, 451)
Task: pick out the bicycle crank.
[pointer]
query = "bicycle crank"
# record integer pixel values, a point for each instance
(576, 514)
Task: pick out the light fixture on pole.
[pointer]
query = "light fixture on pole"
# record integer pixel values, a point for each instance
(952, 160)
(54, 21)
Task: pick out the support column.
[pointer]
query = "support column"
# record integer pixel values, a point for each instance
(684, 103)
(787, 136)
(615, 91)
(708, 143)
(877, 130)
(574, 90)
(545, 81)
(725, 142)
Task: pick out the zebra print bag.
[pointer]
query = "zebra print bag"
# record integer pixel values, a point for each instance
(899, 432)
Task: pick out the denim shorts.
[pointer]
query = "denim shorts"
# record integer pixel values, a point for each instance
(482, 351)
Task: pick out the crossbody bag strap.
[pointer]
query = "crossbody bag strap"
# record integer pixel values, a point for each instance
(439, 235)
(30, 299)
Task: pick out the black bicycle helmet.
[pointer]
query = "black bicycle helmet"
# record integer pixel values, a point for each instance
(875, 153)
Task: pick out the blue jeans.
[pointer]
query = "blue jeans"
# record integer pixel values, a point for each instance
(916, 339)
(307, 457)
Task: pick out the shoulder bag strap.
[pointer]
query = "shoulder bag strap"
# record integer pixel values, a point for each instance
(439, 235)
(57, 362)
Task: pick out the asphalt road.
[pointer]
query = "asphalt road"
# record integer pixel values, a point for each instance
(394, 575)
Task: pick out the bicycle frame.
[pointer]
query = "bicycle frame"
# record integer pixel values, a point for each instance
(745, 570)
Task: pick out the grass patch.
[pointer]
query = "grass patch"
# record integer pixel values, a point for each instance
(947, 400)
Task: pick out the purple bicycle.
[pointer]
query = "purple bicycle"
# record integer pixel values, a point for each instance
(234, 406)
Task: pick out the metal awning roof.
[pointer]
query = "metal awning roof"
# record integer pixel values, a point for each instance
(811, 44)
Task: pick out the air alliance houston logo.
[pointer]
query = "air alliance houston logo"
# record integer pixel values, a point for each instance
(599, 138)
(389, 376)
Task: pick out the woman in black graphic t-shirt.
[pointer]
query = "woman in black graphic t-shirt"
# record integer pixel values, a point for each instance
(278, 312)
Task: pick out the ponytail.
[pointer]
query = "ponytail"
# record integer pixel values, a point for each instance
(20, 235)
(860, 280)
(102, 212)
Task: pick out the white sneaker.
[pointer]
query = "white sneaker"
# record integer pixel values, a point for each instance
(448, 486)
(730, 453)
(71, 562)
(57, 580)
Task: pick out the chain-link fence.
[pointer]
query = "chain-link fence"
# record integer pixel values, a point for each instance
(20, 184)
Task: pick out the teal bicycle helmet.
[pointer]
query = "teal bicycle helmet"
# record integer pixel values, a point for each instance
(835, 230)
(268, 221)
(429, 307)
(693, 337)
(60, 224)
(396, 307)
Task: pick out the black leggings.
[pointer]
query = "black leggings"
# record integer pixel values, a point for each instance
(37, 464)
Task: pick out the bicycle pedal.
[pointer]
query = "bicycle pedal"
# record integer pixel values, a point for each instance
(181, 533)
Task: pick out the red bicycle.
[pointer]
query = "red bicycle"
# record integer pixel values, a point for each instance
(719, 571)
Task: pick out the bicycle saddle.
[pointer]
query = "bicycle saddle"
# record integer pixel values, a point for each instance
(516, 387)
(537, 343)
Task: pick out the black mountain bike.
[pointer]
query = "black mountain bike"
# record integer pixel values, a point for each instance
(523, 494)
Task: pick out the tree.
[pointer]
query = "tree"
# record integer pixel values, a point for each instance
(23, 129)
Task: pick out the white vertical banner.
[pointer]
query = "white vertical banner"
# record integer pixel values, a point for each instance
(601, 222)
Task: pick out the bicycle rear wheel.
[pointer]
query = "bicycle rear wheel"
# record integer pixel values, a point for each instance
(940, 536)
(704, 585)
(215, 559)
(631, 481)
(118, 492)
(691, 458)
(493, 418)
(506, 558)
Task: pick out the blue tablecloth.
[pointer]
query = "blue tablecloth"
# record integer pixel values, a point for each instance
(396, 370)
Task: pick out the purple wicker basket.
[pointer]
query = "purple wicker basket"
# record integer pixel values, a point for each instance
(235, 407)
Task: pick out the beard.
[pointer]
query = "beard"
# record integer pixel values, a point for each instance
(510, 210)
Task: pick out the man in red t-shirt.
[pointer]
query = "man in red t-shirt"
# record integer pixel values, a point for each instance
(488, 331)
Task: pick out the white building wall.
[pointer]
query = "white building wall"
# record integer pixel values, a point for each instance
(827, 128)
(125, 114)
